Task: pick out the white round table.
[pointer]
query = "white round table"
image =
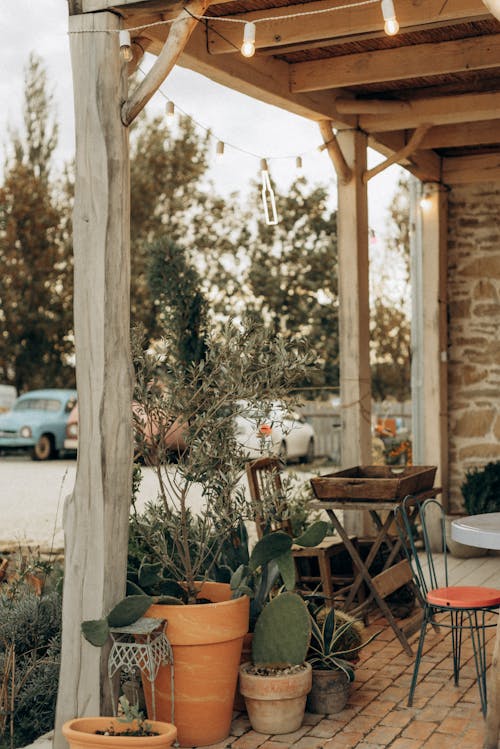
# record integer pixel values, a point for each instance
(478, 530)
(484, 531)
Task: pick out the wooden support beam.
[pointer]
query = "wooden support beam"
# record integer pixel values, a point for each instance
(179, 33)
(354, 314)
(398, 156)
(461, 170)
(344, 173)
(433, 308)
(440, 110)
(426, 165)
(96, 513)
(332, 27)
(413, 61)
(372, 106)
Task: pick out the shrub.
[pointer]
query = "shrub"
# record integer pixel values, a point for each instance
(481, 489)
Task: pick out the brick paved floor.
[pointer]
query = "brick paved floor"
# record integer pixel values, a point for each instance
(442, 717)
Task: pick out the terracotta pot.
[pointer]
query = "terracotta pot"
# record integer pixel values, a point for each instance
(246, 654)
(206, 641)
(275, 704)
(81, 733)
(329, 692)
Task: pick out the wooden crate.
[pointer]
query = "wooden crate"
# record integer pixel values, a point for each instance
(374, 482)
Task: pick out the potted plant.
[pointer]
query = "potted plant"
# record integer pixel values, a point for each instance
(336, 639)
(178, 549)
(130, 730)
(276, 681)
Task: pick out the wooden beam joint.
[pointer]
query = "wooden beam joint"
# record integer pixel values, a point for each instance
(330, 143)
(179, 34)
(403, 153)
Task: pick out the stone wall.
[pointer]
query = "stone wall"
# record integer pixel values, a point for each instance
(474, 330)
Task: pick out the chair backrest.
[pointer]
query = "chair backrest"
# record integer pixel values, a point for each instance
(429, 573)
(268, 495)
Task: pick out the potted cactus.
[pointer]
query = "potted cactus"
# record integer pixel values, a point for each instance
(276, 681)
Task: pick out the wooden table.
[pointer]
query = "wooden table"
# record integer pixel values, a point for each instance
(396, 572)
(483, 531)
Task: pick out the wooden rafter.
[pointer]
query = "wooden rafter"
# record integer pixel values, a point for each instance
(413, 61)
(440, 110)
(180, 31)
(457, 136)
(398, 156)
(342, 23)
(344, 173)
(467, 169)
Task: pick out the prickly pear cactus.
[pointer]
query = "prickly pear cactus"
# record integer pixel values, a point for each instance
(282, 633)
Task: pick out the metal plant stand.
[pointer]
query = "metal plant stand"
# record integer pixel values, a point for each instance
(142, 646)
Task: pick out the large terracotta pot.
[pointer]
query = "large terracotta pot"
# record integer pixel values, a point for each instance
(206, 641)
(275, 704)
(329, 692)
(80, 733)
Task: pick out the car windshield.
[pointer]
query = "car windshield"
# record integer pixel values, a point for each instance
(38, 404)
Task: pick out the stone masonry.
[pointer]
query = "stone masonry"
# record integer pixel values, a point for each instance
(473, 330)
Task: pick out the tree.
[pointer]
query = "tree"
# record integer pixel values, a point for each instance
(36, 279)
(292, 277)
(390, 327)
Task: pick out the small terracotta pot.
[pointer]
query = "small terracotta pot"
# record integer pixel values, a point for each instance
(80, 733)
(275, 704)
(329, 693)
(246, 654)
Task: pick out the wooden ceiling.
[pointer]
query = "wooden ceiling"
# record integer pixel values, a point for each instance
(442, 69)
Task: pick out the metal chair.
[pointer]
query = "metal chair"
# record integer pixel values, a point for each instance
(467, 606)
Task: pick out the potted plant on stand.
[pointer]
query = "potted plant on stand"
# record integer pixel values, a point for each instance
(178, 545)
(336, 639)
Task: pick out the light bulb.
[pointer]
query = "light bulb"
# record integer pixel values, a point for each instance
(263, 166)
(125, 46)
(248, 46)
(170, 109)
(494, 7)
(391, 25)
(219, 151)
(298, 162)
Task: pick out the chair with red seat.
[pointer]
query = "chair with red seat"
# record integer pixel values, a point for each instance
(467, 606)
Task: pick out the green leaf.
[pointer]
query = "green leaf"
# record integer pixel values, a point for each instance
(129, 610)
(286, 567)
(149, 574)
(313, 535)
(96, 631)
(270, 547)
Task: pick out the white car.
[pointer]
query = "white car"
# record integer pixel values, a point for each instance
(286, 435)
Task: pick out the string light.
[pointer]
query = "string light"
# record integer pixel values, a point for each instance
(248, 46)
(494, 7)
(298, 162)
(391, 25)
(219, 150)
(170, 109)
(263, 166)
(125, 45)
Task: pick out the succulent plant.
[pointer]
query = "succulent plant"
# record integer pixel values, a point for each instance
(282, 633)
(127, 611)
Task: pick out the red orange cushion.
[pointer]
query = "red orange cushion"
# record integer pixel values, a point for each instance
(465, 596)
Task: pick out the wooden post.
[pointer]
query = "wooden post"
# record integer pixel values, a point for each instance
(96, 514)
(434, 334)
(354, 315)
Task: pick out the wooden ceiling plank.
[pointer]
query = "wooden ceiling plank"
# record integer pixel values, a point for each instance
(415, 61)
(143, 6)
(467, 134)
(334, 25)
(440, 110)
(460, 170)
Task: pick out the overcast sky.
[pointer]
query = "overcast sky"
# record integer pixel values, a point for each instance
(41, 25)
